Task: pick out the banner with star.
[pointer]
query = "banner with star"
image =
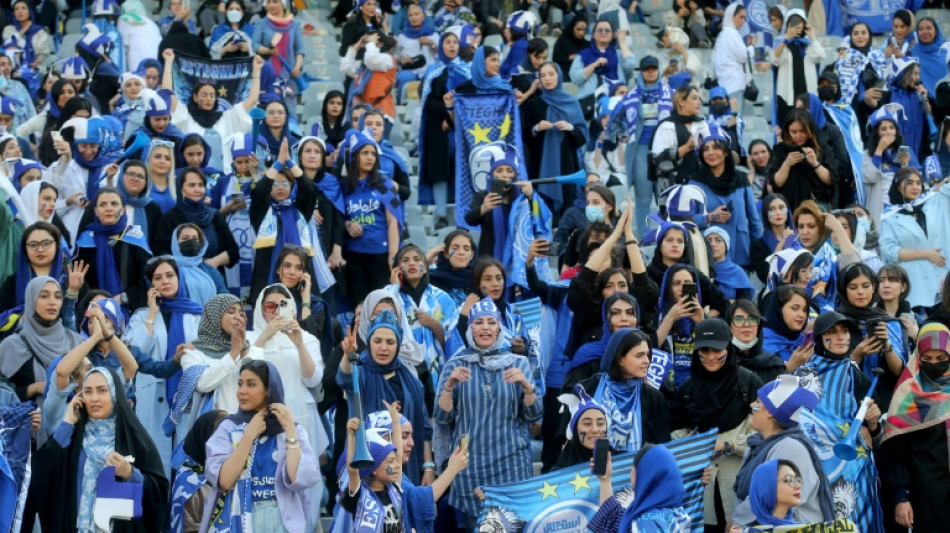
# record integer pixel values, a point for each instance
(231, 78)
(484, 123)
(564, 501)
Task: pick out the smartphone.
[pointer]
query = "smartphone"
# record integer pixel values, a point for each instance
(871, 325)
(809, 338)
(57, 136)
(545, 245)
(285, 310)
(463, 445)
(903, 149)
(498, 186)
(402, 278)
(601, 448)
(729, 206)
(690, 291)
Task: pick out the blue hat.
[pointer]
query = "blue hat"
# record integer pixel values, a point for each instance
(381, 420)
(719, 230)
(896, 67)
(716, 133)
(718, 92)
(357, 140)
(242, 145)
(113, 312)
(523, 21)
(75, 68)
(20, 166)
(105, 8)
(9, 106)
(510, 158)
(785, 397)
(87, 130)
(485, 307)
(132, 76)
(379, 449)
(385, 319)
(158, 103)
(578, 403)
(683, 201)
(94, 41)
(882, 114)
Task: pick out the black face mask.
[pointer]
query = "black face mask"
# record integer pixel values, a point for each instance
(190, 248)
(719, 107)
(934, 370)
(826, 93)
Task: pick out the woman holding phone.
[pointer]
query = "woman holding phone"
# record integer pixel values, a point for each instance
(802, 167)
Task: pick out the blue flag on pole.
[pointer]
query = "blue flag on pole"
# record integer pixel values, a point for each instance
(566, 500)
(481, 120)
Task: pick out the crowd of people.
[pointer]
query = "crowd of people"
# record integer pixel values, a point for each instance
(242, 327)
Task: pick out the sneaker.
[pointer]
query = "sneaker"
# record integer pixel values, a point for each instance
(441, 223)
(556, 32)
(543, 31)
(705, 44)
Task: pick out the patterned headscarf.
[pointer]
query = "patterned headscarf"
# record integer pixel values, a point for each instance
(210, 334)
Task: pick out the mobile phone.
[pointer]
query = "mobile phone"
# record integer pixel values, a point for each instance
(871, 326)
(690, 291)
(402, 277)
(729, 206)
(498, 186)
(57, 136)
(463, 445)
(809, 338)
(903, 149)
(601, 447)
(285, 310)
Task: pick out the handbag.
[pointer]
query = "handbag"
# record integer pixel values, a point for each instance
(751, 92)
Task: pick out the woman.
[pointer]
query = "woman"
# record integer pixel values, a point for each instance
(312, 154)
(135, 185)
(201, 281)
(912, 237)
(796, 59)
(39, 202)
(905, 88)
(893, 287)
(813, 228)
(177, 12)
(232, 38)
(600, 61)
(98, 430)
(726, 186)
(415, 47)
(41, 252)
(296, 354)
(194, 151)
(731, 279)
(42, 337)
(588, 422)
(902, 38)
(35, 39)
(315, 317)
(674, 143)
(775, 416)
(732, 60)
(333, 123)
(840, 387)
(786, 316)
(202, 114)
(930, 56)
(436, 147)
(916, 434)
(775, 492)
(558, 131)
(452, 271)
(746, 324)
(570, 43)
(373, 219)
(657, 496)
(160, 159)
(801, 167)
(760, 154)
(391, 164)
(111, 241)
(129, 106)
(261, 479)
(620, 310)
(882, 159)
(680, 313)
(501, 413)
(673, 247)
(363, 20)
(190, 207)
(598, 206)
(384, 378)
(189, 488)
(717, 394)
(47, 120)
(859, 67)
(278, 37)
(163, 329)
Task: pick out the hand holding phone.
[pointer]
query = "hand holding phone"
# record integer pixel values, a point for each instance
(601, 451)
(285, 310)
(690, 291)
(463, 444)
(809, 338)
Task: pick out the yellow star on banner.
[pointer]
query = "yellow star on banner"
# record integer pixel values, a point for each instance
(580, 482)
(505, 127)
(480, 134)
(548, 490)
(223, 91)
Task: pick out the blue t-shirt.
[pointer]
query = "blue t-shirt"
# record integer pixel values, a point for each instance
(365, 207)
(264, 470)
(162, 198)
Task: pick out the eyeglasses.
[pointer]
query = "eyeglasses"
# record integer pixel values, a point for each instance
(603, 30)
(792, 481)
(741, 321)
(41, 245)
(281, 184)
(271, 307)
(277, 112)
(135, 175)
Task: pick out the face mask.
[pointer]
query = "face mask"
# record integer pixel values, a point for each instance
(235, 16)
(826, 93)
(719, 107)
(190, 248)
(744, 345)
(594, 213)
(865, 224)
(935, 370)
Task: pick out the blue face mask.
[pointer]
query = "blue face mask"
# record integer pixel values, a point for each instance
(594, 213)
(866, 224)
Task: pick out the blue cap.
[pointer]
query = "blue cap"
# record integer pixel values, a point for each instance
(785, 397)
(75, 68)
(485, 307)
(385, 319)
(716, 133)
(158, 103)
(510, 158)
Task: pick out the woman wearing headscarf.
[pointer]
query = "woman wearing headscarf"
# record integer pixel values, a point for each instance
(39, 199)
(486, 392)
(333, 122)
(588, 422)
(717, 394)
(42, 338)
(570, 43)
(619, 310)
(110, 241)
(140, 34)
(802, 166)
(841, 386)
(385, 378)
(98, 430)
(279, 38)
(731, 279)
(882, 159)
(657, 496)
(453, 267)
(362, 19)
(296, 354)
(163, 329)
(158, 125)
(558, 131)
(134, 184)
(916, 434)
(676, 137)
(232, 38)
(679, 314)
(732, 56)
(796, 58)
(436, 143)
(916, 126)
(194, 151)
(775, 417)
(786, 316)
(415, 47)
(776, 220)
(729, 198)
(263, 477)
(35, 39)
(859, 67)
(775, 494)
(747, 324)
(601, 60)
(293, 270)
(190, 207)
(41, 251)
(201, 280)
(189, 488)
(129, 105)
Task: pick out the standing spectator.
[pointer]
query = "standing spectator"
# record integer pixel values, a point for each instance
(733, 53)
(35, 39)
(278, 37)
(601, 60)
(796, 58)
(570, 43)
(140, 35)
(801, 166)
(415, 48)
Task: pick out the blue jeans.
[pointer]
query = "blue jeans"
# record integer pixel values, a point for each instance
(635, 161)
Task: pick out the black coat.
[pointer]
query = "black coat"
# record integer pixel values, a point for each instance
(803, 183)
(917, 462)
(130, 262)
(437, 157)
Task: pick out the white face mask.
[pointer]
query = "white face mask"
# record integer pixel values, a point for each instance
(744, 345)
(235, 16)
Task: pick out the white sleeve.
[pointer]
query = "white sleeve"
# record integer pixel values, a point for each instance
(216, 372)
(348, 63)
(664, 138)
(313, 348)
(376, 60)
(234, 120)
(181, 117)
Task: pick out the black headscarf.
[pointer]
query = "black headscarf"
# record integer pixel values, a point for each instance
(726, 184)
(567, 45)
(206, 118)
(716, 401)
(275, 394)
(203, 429)
(846, 308)
(445, 276)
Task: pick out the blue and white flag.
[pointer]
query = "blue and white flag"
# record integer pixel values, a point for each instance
(932, 171)
(527, 221)
(15, 436)
(847, 122)
(841, 525)
(566, 500)
(842, 14)
(482, 119)
(231, 78)
(660, 365)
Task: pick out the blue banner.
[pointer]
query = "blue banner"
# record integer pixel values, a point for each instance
(757, 16)
(842, 14)
(484, 123)
(841, 525)
(231, 78)
(566, 500)
(847, 122)
(15, 436)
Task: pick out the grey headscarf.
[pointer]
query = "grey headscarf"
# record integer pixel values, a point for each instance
(35, 340)
(409, 351)
(210, 335)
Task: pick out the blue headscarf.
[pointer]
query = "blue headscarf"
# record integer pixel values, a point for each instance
(659, 485)
(193, 282)
(106, 270)
(594, 350)
(763, 493)
(480, 80)
(177, 307)
(817, 110)
(621, 399)
(194, 211)
(912, 126)
(426, 29)
(592, 53)
(517, 54)
(135, 203)
(730, 277)
(25, 273)
(459, 71)
(275, 394)
(561, 106)
(685, 325)
(932, 57)
(770, 240)
(330, 184)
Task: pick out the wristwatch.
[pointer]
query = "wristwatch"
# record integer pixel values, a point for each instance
(292, 440)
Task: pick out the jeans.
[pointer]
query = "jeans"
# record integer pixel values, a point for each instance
(636, 166)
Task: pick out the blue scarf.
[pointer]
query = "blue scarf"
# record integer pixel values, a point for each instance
(847, 121)
(193, 281)
(459, 73)
(482, 82)
(370, 513)
(389, 160)
(595, 350)
(178, 308)
(106, 271)
(767, 236)
(288, 215)
(817, 111)
(933, 60)
(273, 143)
(188, 481)
(629, 106)
(195, 212)
(24, 272)
(659, 485)
(622, 401)
(798, 45)
(561, 106)
(275, 394)
(426, 29)
(593, 53)
(731, 278)
(517, 53)
(135, 203)
(98, 442)
(376, 388)
(913, 128)
(330, 186)
(95, 168)
(763, 494)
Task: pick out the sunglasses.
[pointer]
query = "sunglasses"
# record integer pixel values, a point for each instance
(159, 259)
(792, 481)
(745, 321)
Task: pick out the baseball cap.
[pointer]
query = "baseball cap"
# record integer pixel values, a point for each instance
(649, 62)
(712, 333)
